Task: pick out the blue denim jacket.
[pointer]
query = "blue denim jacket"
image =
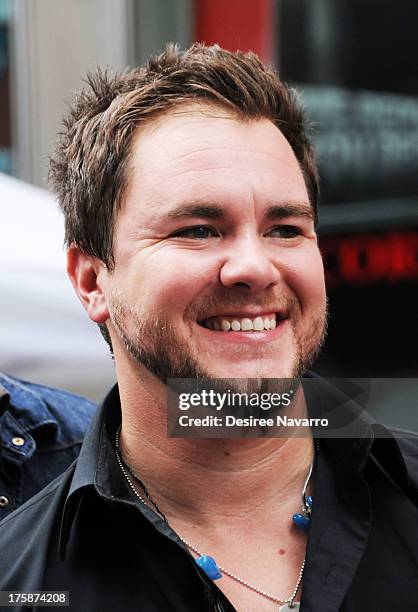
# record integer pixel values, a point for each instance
(41, 431)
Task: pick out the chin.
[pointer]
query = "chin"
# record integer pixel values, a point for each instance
(251, 370)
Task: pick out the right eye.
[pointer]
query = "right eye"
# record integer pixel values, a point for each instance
(196, 232)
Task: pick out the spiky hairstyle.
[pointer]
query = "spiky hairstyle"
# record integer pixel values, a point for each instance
(89, 170)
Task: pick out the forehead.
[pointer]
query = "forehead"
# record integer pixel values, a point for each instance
(204, 151)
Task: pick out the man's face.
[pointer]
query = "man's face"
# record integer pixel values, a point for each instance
(215, 233)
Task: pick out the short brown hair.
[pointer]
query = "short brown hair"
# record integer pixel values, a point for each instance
(89, 169)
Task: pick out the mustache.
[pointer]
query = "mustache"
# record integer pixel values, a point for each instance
(204, 307)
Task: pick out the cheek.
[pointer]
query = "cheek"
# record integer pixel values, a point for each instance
(306, 279)
(172, 279)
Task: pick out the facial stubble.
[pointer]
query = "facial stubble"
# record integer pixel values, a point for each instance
(152, 341)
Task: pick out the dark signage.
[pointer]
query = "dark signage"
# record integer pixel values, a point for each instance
(368, 259)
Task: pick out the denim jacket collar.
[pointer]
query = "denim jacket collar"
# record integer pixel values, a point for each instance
(23, 414)
(25, 405)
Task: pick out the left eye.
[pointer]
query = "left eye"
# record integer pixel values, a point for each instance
(198, 231)
(285, 231)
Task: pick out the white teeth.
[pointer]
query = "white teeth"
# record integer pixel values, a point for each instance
(246, 324)
(258, 324)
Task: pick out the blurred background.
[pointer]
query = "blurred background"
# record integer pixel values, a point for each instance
(355, 65)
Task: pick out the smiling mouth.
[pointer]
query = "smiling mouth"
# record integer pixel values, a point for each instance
(259, 323)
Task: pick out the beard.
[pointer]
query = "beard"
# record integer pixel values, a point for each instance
(153, 342)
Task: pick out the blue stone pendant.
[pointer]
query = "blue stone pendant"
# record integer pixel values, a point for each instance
(209, 566)
(301, 521)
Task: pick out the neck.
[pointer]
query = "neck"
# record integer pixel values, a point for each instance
(207, 479)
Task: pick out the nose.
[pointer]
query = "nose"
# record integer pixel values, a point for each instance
(249, 264)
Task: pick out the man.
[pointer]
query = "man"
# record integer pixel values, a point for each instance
(41, 433)
(189, 191)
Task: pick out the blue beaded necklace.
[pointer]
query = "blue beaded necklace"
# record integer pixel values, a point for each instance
(207, 563)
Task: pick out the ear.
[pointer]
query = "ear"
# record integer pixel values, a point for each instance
(87, 274)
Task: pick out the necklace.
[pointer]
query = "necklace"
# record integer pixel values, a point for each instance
(207, 563)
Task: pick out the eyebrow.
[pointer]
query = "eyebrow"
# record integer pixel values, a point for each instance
(214, 211)
(290, 209)
(210, 211)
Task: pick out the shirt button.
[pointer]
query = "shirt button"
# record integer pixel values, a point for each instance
(3, 501)
(18, 441)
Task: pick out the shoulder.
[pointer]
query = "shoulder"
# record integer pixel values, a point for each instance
(408, 445)
(24, 391)
(33, 402)
(403, 453)
(407, 441)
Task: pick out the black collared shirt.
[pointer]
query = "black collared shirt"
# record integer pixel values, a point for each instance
(88, 534)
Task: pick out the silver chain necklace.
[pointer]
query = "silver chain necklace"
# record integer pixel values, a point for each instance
(288, 602)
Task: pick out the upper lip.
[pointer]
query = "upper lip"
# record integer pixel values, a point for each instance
(250, 314)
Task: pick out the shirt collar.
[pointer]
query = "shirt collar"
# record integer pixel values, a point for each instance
(351, 428)
(97, 467)
(95, 448)
(97, 464)
(359, 435)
